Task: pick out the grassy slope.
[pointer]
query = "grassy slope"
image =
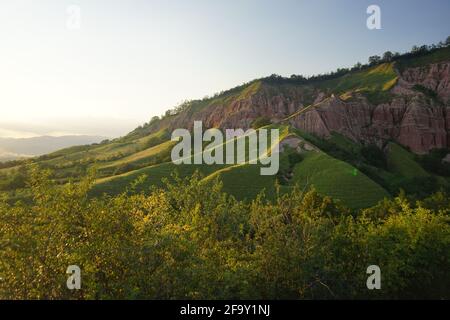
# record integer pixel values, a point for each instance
(402, 162)
(374, 82)
(328, 175)
(244, 182)
(378, 78)
(344, 143)
(153, 177)
(404, 167)
(100, 155)
(433, 57)
(101, 152)
(338, 180)
(140, 158)
(156, 173)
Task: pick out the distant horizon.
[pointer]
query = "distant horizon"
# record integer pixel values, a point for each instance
(107, 127)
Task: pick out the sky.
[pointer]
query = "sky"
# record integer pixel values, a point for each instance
(123, 62)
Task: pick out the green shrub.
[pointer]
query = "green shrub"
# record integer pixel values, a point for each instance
(189, 240)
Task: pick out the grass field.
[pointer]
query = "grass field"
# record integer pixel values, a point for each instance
(344, 143)
(141, 158)
(109, 155)
(374, 82)
(338, 179)
(153, 177)
(402, 162)
(154, 174)
(244, 182)
(328, 175)
(378, 78)
(102, 152)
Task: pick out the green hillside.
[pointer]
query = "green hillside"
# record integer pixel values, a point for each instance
(244, 182)
(339, 180)
(147, 157)
(328, 175)
(151, 176)
(156, 173)
(436, 56)
(377, 78)
(402, 162)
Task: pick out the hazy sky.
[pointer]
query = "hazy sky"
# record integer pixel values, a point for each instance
(131, 60)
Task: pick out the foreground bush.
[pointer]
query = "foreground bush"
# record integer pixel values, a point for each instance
(190, 240)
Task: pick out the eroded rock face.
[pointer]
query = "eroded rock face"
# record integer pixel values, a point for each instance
(435, 77)
(410, 118)
(412, 122)
(240, 113)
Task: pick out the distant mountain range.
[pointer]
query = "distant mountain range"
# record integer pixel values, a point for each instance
(12, 148)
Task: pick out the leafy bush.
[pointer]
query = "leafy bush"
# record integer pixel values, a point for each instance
(13, 181)
(189, 240)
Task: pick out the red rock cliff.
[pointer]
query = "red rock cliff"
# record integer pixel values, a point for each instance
(411, 117)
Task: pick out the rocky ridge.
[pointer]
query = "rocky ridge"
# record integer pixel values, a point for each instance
(411, 117)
